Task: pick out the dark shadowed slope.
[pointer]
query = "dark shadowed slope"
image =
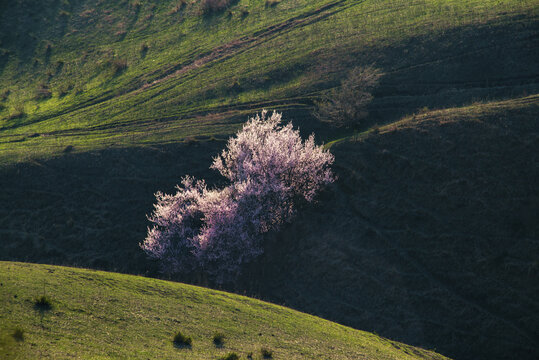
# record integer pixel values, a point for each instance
(430, 235)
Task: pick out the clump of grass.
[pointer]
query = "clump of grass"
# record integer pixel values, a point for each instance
(18, 334)
(266, 353)
(43, 303)
(190, 141)
(230, 356)
(118, 65)
(63, 89)
(218, 339)
(4, 94)
(211, 6)
(58, 65)
(272, 3)
(17, 111)
(48, 49)
(177, 7)
(244, 11)
(136, 5)
(43, 92)
(64, 14)
(181, 340)
(424, 110)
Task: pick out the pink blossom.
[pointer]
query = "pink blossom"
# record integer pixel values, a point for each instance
(269, 168)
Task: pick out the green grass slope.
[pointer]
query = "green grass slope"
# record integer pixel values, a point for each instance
(430, 235)
(103, 315)
(94, 74)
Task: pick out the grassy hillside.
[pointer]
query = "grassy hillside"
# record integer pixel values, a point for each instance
(102, 315)
(93, 74)
(428, 237)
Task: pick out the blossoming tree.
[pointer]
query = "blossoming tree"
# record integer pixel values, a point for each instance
(270, 170)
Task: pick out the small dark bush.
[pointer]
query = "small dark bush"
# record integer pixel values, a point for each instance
(43, 303)
(266, 353)
(218, 339)
(230, 356)
(181, 340)
(18, 335)
(48, 49)
(15, 115)
(118, 65)
(272, 3)
(144, 49)
(211, 6)
(59, 64)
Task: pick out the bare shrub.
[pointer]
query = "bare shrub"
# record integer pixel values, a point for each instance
(347, 104)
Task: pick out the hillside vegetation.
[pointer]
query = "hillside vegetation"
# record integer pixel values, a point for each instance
(428, 237)
(90, 74)
(430, 234)
(101, 315)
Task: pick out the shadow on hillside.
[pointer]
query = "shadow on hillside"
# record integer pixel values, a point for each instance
(491, 61)
(26, 25)
(90, 209)
(459, 67)
(430, 237)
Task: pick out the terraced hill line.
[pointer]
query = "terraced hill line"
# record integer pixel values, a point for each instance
(220, 53)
